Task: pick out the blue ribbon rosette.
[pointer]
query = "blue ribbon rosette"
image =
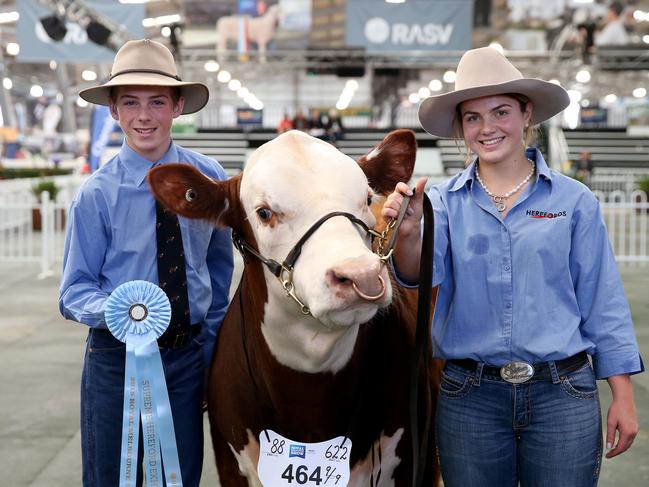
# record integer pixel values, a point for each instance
(137, 313)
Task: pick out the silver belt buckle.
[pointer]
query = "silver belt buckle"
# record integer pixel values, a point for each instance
(517, 372)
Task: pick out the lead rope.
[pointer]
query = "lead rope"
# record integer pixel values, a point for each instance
(420, 445)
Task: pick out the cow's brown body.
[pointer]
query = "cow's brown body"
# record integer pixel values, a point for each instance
(367, 398)
(249, 389)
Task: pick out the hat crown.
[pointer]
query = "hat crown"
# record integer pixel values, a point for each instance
(146, 55)
(482, 67)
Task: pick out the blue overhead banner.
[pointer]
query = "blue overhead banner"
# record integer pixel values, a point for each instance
(428, 25)
(37, 46)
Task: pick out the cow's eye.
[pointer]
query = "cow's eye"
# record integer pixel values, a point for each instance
(369, 200)
(264, 214)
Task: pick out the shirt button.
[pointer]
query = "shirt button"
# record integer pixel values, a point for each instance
(507, 267)
(508, 305)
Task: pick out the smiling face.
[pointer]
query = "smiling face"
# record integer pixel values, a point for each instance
(145, 114)
(494, 126)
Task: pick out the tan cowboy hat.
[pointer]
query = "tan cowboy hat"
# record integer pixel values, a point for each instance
(147, 63)
(486, 72)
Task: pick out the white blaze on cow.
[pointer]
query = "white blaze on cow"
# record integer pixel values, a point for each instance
(288, 184)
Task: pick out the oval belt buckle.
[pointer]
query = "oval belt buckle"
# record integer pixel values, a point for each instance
(517, 372)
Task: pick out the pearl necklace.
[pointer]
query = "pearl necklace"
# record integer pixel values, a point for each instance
(499, 201)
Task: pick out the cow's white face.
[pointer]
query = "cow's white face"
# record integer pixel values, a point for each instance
(289, 184)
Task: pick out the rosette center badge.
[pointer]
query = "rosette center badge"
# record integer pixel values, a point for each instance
(137, 308)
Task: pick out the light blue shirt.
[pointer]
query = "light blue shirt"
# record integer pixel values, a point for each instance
(540, 285)
(111, 239)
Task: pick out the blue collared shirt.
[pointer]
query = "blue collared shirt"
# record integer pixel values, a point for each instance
(111, 239)
(540, 285)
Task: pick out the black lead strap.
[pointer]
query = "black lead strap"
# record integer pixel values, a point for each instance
(420, 445)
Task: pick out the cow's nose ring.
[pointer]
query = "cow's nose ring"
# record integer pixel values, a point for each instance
(368, 297)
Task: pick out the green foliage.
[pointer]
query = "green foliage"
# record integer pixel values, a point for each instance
(643, 184)
(46, 185)
(28, 172)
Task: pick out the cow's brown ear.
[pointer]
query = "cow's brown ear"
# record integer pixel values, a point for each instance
(391, 161)
(186, 191)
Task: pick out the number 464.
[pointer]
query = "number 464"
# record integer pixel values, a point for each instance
(302, 475)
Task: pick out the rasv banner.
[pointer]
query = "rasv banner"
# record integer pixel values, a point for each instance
(415, 25)
(37, 46)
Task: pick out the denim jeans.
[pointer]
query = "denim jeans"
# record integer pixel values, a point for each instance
(102, 396)
(542, 433)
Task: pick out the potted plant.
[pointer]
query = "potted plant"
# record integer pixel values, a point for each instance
(53, 190)
(643, 185)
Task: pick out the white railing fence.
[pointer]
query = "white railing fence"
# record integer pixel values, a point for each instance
(31, 229)
(627, 221)
(34, 231)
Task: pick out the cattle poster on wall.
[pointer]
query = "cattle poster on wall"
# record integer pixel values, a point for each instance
(411, 26)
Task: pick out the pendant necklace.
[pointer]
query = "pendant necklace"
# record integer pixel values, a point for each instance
(500, 200)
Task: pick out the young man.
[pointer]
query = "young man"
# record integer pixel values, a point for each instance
(114, 236)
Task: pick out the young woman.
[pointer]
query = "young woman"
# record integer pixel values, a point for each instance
(528, 291)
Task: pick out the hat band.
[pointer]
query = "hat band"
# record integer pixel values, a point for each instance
(140, 70)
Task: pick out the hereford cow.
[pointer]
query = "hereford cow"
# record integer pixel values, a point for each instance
(334, 361)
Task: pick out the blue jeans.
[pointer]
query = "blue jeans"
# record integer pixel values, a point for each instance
(542, 433)
(102, 396)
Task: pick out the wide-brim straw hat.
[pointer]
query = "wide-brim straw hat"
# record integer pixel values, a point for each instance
(486, 72)
(147, 63)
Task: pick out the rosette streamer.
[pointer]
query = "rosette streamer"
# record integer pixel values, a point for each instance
(137, 313)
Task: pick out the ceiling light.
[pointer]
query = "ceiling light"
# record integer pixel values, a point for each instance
(243, 92)
(54, 27)
(162, 20)
(7, 83)
(423, 92)
(449, 76)
(575, 96)
(36, 91)
(165, 31)
(555, 82)
(224, 76)
(234, 84)
(89, 75)
(13, 49)
(583, 76)
(8, 17)
(211, 66)
(352, 84)
(81, 103)
(98, 32)
(639, 92)
(413, 98)
(435, 85)
(610, 98)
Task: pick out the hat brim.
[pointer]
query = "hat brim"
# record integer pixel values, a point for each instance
(196, 94)
(436, 113)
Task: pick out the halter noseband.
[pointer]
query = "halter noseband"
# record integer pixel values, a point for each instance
(284, 271)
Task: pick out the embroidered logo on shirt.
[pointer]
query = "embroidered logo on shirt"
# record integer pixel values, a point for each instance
(545, 214)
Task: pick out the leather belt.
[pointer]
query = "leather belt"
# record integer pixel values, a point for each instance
(179, 338)
(518, 371)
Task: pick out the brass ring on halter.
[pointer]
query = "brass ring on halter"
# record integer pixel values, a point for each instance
(366, 296)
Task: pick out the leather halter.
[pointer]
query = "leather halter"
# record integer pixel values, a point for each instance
(284, 271)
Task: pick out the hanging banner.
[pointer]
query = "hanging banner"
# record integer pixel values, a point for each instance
(104, 132)
(428, 25)
(37, 46)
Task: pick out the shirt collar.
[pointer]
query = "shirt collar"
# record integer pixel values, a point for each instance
(542, 169)
(137, 166)
(531, 153)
